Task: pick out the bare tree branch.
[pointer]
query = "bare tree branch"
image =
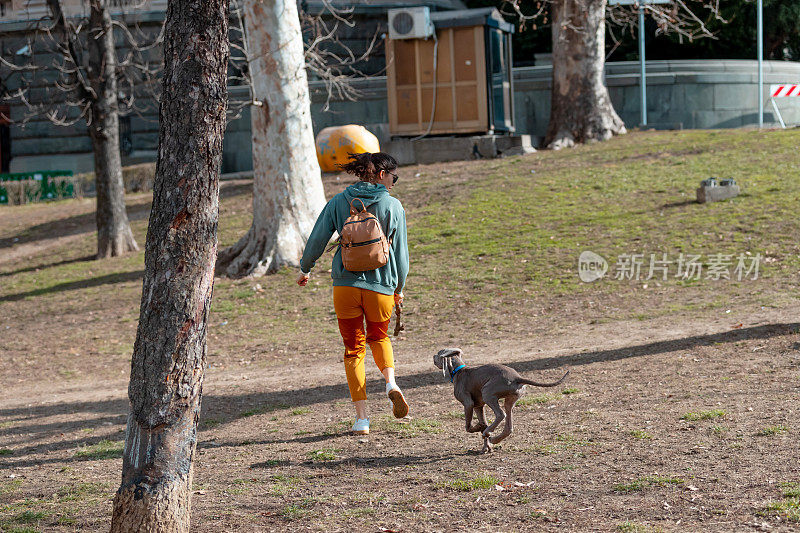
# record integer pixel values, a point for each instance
(674, 18)
(334, 69)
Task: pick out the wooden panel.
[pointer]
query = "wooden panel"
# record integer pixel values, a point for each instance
(425, 61)
(405, 65)
(461, 92)
(464, 46)
(480, 75)
(419, 86)
(391, 83)
(445, 67)
(407, 112)
(444, 60)
(444, 105)
(463, 127)
(454, 103)
(468, 104)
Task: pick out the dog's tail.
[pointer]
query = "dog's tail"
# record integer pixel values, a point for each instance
(524, 381)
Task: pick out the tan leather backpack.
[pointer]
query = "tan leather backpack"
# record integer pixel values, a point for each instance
(363, 243)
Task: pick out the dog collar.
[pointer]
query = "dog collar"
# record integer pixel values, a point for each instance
(455, 371)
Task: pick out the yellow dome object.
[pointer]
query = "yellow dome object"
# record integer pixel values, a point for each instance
(334, 143)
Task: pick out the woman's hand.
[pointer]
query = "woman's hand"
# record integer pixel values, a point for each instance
(398, 298)
(302, 280)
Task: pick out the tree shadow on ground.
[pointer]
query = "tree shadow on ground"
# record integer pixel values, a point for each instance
(271, 464)
(118, 277)
(222, 404)
(385, 461)
(304, 439)
(308, 439)
(78, 446)
(86, 223)
(66, 227)
(682, 203)
(654, 348)
(33, 268)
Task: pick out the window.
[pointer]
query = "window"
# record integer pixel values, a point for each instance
(6, 8)
(500, 79)
(125, 135)
(5, 139)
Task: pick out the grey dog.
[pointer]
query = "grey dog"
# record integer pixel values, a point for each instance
(485, 385)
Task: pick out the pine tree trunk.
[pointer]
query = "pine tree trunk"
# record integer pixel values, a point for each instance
(114, 236)
(581, 109)
(169, 355)
(287, 189)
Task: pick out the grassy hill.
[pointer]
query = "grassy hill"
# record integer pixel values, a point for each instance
(494, 247)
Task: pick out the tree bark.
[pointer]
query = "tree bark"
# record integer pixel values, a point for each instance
(581, 109)
(287, 188)
(169, 355)
(114, 236)
(99, 90)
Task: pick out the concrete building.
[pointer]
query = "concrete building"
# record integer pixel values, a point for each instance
(40, 145)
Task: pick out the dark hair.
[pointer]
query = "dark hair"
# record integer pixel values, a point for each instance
(367, 166)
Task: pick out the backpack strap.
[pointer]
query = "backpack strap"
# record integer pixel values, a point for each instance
(335, 244)
(353, 210)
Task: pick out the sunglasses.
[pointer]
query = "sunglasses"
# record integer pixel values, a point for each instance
(394, 176)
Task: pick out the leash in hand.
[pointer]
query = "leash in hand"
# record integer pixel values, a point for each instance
(398, 323)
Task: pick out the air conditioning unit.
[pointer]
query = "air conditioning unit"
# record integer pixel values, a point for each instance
(410, 23)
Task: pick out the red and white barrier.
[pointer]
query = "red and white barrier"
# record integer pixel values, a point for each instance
(781, 91)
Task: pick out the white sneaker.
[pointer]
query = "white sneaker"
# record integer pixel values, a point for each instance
(361, 427)
(399, 405)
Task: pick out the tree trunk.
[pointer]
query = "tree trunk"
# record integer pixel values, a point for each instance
(287, 189)
(581, 109)
(114, 236)
(169, 355)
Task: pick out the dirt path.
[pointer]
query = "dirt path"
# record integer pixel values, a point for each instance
(678, 426)
(575, 340)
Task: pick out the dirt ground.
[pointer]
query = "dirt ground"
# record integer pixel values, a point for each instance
(611, 450)
(684, 421)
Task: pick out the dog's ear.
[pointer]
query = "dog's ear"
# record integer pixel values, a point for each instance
(450, 352)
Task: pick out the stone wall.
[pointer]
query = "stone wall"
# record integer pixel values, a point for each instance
(680, 95)
(683, 94)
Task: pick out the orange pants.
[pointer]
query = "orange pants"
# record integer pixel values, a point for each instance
(352, 305)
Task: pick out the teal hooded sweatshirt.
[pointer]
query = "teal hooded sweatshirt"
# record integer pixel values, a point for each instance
(388, 279)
